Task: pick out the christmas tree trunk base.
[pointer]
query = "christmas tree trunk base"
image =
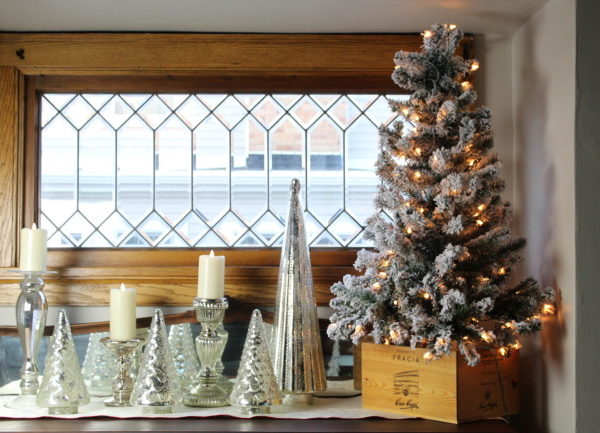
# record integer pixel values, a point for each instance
(398, 379)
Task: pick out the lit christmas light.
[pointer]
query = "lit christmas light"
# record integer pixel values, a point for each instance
(502, 271)
(487, 336)
(474, 66)
(479, 222)
(427, 34)
(408, 230)
(421, 210)
(405, 111)
(481, 207)
(548, 309)
(395, 302)
(382, 275)
(376, 287)
(428, 356)
(516, 345)
(452, 26)
(417, 175)
(503, 351)
(418, 151)
(426, 295)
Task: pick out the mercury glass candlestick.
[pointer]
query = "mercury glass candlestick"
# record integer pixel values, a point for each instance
(207, 390)
(31, 311)
(122, 385)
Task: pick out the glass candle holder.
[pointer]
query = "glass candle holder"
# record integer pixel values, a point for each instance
(122, 385)
(207, 390)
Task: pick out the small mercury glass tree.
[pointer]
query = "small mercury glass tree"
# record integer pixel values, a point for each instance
(440, 272)
(256, 388)
(62, 389)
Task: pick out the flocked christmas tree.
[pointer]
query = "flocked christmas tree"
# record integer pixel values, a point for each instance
(440, 271)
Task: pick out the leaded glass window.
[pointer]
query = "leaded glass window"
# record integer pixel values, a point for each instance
(206, 170)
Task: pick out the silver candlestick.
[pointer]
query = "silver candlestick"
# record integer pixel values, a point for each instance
(207, 390)
(31, 309)
(122, 385)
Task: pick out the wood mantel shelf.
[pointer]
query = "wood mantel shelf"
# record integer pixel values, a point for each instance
(225, 425)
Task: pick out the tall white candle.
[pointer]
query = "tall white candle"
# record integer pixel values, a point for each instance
(122, 314)
(33, 249)
(211, 276)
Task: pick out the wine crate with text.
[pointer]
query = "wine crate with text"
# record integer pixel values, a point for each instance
(397, 379)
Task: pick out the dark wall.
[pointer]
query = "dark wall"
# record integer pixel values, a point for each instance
(587, 198)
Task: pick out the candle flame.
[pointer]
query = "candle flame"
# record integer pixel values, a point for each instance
(122, 286)
(33, 226)
(212, 253)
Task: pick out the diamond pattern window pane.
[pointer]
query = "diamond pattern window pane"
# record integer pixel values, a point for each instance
(206, 170)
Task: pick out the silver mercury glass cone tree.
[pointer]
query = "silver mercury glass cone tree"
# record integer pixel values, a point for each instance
(184, 353)
(440, 271)
(62, 389)
(156, 388)
(255, 389)
(98, 367)
(297, 353)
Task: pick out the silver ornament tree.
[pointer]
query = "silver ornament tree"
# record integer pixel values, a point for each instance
(297, 353)
(62, 389)
(255, 389)
(157, 387)
(184, 353)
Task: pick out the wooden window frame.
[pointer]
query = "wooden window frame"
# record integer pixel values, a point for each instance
(127, 62)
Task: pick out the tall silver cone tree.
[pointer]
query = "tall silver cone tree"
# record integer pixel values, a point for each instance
(440, 271)
(297, 354)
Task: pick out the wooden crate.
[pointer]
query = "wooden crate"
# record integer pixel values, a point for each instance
(397, 379)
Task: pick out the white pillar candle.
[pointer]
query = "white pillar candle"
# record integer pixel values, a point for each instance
(122, 314)
(211, 276)
(33, 249)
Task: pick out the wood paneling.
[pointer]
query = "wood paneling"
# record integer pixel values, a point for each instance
(218, 83)
(11, 136)
(164, 285)
(69, 257)
(201, 54)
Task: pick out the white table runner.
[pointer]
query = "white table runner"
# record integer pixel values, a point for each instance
(323, 407)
